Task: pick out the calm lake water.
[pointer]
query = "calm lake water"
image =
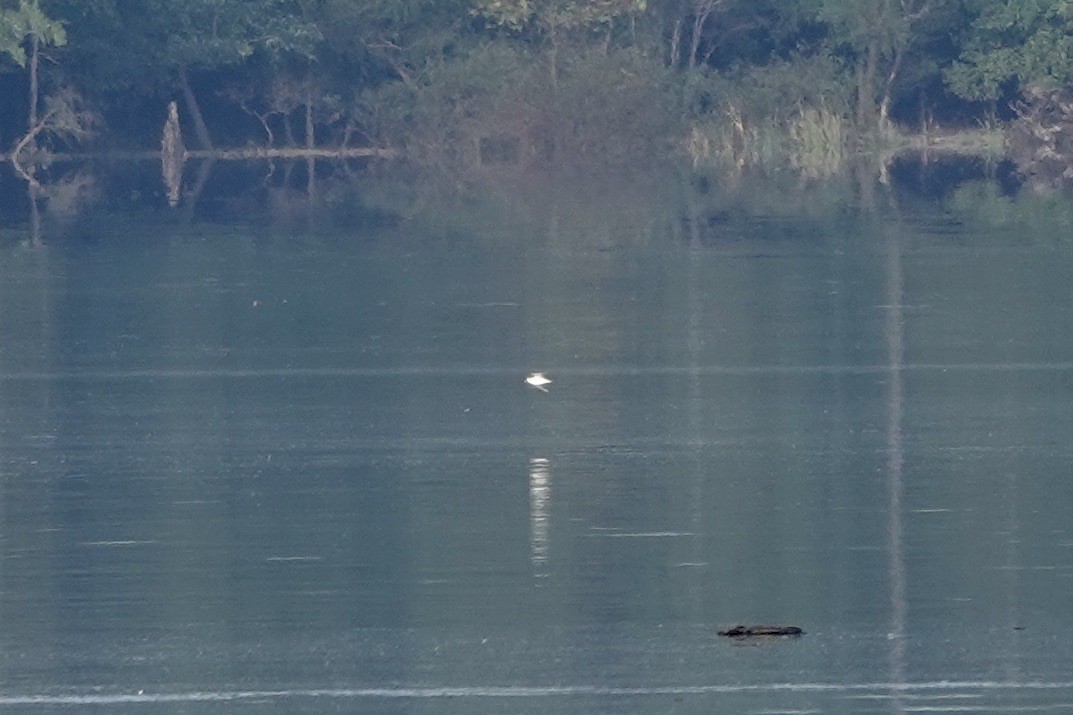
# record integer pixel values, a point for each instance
(281, 470)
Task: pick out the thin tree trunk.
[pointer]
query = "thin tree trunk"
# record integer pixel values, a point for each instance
(676, 42)
(694, 43)
(288, 133)
(192, 106)
(348, 131)
(866, 86)
(268, 129)
(26, 141)
(553, 56)
(35, 213)
(910, 14)
(35, 93)
(702, 10)
(884, 105)
(311, 164)
(261, 117)
(309, 117)
(203, 172)
(35, 46)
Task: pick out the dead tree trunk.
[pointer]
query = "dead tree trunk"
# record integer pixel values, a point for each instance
(192, 106)
(676, 42)
(702, 10)
(35, 92)
(884, 105)
(311, 164)
(866, 85)
(172, 155)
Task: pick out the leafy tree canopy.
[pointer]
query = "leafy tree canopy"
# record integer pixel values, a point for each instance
(550, 14)
(140, 43)
(385, 39)
(1026, 41)
(27, 19)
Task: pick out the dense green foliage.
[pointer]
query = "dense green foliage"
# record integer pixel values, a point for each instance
(1016, 42)
(528, 81)
(26, 22)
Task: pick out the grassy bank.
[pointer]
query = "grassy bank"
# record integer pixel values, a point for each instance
(819, 142)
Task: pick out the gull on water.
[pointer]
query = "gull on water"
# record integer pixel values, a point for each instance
(538, 380)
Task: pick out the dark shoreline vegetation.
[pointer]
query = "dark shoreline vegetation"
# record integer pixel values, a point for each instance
(496, 88)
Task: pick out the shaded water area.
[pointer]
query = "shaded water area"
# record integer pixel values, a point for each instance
(277, 469)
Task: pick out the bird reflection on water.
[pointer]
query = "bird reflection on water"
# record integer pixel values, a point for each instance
(539, 507)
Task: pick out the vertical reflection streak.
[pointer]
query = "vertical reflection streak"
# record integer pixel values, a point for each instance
(539, 512)
(1013, 561)
(35, 214)
(894, 332)
(695, 342)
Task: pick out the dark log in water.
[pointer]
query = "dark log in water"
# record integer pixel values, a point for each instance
(761, 631)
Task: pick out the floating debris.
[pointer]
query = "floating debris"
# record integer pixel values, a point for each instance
(761, 631)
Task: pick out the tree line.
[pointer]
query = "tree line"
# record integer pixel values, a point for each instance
(521, 80)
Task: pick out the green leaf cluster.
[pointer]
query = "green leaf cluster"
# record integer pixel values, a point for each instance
(1022, 41)
(25, 20)
(564, 14)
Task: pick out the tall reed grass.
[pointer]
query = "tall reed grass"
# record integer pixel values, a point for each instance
(819, 143)
(814, 141)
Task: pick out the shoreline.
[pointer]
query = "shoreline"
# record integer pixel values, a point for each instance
(989, 143)
(983, 143)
